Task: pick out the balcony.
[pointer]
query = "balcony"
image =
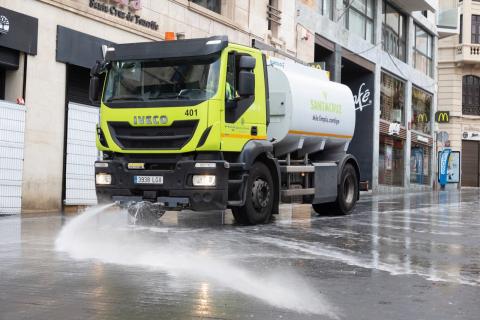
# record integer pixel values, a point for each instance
(468, 54)
(416, 5)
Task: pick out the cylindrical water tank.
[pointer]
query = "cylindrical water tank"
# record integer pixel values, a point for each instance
(307, 111)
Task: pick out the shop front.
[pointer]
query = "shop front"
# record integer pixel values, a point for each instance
(393, 132)
(359, 75)
(79, 51)
(18, 40)
(422, 141)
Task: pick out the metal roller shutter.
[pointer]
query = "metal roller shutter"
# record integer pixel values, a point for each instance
(470, 163)
(12, 131)
(81, 155)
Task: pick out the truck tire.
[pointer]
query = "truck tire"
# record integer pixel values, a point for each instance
(347, 194)
(259, 199)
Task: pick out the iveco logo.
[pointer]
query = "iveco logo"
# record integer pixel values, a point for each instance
(150, 119)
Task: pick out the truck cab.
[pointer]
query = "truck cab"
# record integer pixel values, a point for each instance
(184, 124)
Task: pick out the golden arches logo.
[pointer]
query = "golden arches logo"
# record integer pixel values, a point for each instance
(442, 116)
(422, 118)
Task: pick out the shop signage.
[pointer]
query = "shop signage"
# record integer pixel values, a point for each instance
(362, 98)
(422, 118)
(394, 128)
(363, 86)
(18, 32)
(125, 10)
(471, 135)
(422, 139)
(442, 116)
(4, 24)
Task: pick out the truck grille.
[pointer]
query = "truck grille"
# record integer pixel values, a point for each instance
(159, 137)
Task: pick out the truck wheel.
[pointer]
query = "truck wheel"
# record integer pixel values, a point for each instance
(346, 195)
(260, 194)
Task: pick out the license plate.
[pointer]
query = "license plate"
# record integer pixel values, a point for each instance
(148, 179)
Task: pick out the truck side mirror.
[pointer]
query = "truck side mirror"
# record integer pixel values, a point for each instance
(246, 83)
(246, 63)
(94, 90)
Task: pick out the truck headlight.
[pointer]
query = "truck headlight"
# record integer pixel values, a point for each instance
(203, 181)
(103, 178)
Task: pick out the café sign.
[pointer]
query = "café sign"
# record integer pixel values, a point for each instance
(125, 10)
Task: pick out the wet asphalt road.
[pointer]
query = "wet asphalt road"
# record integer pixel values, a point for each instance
(397, 257)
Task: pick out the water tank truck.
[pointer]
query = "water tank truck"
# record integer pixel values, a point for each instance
(206, 124)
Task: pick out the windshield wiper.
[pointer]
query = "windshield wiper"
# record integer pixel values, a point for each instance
(126, 98)
(174, 97)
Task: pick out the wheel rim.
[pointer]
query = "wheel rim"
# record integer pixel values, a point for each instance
(349, 189)
(260, 194)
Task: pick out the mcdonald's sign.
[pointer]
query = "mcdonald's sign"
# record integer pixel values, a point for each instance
(442, 116)
(422, 118)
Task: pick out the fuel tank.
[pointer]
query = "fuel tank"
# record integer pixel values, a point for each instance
(308, 113)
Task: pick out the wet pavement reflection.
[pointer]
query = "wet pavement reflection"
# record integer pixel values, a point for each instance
(399, 256)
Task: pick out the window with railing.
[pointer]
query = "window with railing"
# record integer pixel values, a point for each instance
(213, 5)
(274, 17)
(423, 51)
(471, 95)
(394, 32)
(475, 28)
(359, 17)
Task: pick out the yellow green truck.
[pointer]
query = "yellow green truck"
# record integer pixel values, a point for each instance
(206, 124)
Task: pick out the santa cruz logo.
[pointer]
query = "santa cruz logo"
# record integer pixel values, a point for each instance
(4, 25)
(362, 98)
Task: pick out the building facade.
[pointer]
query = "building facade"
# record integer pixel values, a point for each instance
(383, 50)
(459, 89)
(386, 52)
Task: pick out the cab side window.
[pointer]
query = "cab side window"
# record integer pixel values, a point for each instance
(231, 76)
(236, 101)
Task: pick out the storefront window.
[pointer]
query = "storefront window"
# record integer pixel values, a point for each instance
(419, 164)
(394, 35)
(421, 111)
(390, 164)
(392, 99)
(359, 17)
(423, 51)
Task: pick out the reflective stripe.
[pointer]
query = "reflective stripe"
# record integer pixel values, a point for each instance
(319, 134)
(243, 136)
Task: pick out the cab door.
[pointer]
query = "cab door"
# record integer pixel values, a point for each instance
(245, 102)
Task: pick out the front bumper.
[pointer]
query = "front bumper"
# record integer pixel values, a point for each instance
(176, 191)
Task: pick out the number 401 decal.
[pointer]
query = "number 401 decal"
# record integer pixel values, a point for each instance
(191, 112)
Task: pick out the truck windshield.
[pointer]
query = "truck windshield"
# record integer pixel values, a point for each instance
(162, 80)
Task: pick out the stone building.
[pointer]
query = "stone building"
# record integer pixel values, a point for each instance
(46, 50)
(459, 89)
(384, 50)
